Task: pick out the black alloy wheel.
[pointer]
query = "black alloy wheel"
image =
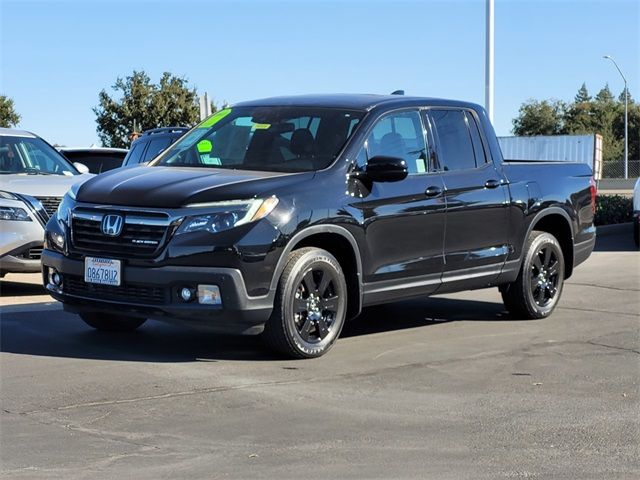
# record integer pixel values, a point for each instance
(544, 275)
(310, 305)
(315, 304)
(537, 289)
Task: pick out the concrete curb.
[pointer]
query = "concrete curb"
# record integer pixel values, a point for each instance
(616, 229)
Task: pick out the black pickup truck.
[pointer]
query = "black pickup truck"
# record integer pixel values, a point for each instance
(285, 216)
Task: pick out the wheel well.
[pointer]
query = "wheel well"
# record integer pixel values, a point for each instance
(559, 227)
(339, 247)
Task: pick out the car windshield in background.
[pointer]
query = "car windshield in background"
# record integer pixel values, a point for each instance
(96, 161)
(31, 156)
(273, 139)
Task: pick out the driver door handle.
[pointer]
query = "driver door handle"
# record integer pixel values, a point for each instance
(433, 191)
(491, 184)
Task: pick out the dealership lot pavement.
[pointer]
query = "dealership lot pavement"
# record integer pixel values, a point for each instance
(448, 388)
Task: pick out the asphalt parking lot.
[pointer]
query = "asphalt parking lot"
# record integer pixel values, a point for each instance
(449, 387)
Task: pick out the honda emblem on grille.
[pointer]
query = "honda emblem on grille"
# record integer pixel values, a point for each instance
(112, 225)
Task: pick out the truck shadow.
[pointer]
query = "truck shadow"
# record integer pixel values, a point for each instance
(9, 288)
(54, 333)
(422, 312)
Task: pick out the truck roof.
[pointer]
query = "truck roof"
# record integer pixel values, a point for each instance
(353, 101)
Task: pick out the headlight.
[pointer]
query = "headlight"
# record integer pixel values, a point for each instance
(8, 195)
(57, 239)
(226, 215)
(14, 213)
(65, 207)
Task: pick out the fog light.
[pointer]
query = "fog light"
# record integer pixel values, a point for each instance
(187, 294)
(209, 295)
(55, 278)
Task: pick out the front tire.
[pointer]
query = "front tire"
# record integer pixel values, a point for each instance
(310, 305)
(636, 231)
(536, 291)
(107, 322)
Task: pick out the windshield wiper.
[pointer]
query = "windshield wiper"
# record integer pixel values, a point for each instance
(35, 171)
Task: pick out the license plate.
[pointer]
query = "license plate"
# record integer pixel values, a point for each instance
(104, 271)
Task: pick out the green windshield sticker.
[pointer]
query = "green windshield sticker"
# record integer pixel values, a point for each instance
(261, 126)
(204, 146)
(211, 121)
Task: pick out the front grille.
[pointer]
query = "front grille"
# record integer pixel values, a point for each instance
(136, 239)
(130, 293)
(32, 253)
(50, 204)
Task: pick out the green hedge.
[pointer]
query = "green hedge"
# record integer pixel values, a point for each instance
(613, 209)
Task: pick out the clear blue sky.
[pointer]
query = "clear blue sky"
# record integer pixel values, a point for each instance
(56, 56)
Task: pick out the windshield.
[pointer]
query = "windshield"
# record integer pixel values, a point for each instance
(31, 156)
(273, 139)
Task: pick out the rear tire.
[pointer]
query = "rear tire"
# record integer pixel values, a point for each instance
(536, 291)
(636, 231)
(107, 322)
(310, 305)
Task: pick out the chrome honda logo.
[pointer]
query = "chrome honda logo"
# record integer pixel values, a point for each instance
(112, 225)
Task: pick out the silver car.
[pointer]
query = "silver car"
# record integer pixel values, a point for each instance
(33, 179)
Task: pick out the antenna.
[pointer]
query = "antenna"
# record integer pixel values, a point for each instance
(397, 92)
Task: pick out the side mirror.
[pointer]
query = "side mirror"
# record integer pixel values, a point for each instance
(386, 169)
(81, 167)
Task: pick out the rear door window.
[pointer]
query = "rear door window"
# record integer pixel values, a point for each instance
(454, 139)
(478, 147)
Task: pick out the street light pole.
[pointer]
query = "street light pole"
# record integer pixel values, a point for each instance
(488, 68)
(626, 118)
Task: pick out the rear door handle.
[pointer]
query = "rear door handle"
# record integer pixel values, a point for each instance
(491, 184)
(433, 191)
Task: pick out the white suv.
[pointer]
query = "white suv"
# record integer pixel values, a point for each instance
(33, 179)
(636, 213)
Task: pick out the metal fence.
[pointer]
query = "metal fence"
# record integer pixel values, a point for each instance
(615, 169)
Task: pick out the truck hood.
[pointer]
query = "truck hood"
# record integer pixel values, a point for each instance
(174, 187)
(41, 185)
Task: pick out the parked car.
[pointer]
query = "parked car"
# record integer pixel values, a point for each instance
(636, 213)
(33, 179)
(97, 159)
(148, 145)
(286, 216)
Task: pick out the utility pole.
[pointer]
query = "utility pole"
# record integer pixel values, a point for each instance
(205, 106)
(488, 68)
(626, 118)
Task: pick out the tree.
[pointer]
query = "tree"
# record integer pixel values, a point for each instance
(8, 116)
(602, 114)
(544, 117)
(582, 95)
(605, 95)
(169, 103)
(579, 114)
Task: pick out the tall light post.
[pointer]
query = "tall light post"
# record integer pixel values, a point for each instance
(488, 67)
(626, 118)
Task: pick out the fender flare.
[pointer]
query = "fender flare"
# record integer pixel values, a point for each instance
(313, 230)
(553, 210)
(546, 212)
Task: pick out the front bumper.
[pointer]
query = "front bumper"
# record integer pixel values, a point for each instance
(20, 245)
(154, 293)
(24, 259)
